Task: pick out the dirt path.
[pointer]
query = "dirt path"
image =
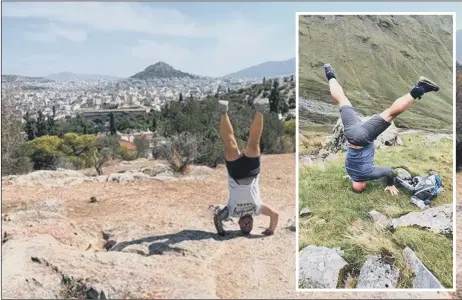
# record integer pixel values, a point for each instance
(176, 216)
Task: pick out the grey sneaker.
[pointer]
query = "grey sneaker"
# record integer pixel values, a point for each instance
(223, 106)
(261, 105)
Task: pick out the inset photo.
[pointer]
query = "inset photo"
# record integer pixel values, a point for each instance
(376, 134)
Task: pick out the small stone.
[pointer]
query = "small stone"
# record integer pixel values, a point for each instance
(377, 273)
(93, 199)
(291, 224)
(378, 218)
(305, 212)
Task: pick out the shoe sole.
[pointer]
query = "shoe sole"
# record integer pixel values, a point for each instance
(429, 82)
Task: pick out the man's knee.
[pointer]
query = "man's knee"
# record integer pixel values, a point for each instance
(253, 150)
(387, 116)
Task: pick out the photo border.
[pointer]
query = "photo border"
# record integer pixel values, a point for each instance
(454, 75)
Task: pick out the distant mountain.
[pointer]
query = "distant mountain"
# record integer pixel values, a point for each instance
(267, 69)
(13, 78)
(68, 76)
(161, 70)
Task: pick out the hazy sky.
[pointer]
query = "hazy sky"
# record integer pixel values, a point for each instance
(121, 39)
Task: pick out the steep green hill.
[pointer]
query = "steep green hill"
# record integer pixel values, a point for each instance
(377, 59)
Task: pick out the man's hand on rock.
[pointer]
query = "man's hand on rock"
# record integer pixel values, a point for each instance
(392, 189)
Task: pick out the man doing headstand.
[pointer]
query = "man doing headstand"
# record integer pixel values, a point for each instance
(244, 173)
(360, 136)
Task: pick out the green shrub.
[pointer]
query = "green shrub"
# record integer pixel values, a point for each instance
(290, 127)
(127, 155)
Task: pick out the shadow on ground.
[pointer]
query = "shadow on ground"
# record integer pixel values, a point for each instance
(159, 244)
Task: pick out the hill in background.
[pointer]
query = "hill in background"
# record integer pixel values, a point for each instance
(377, 59)
(267, 69)
(161, 70)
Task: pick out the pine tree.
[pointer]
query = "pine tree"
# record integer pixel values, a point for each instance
(264, 80)
(112, 126)
(154, 124)
(274, 97)
(181, 97)
(29, 128)
(41, 125)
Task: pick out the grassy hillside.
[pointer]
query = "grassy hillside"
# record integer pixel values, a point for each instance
(340, 215)
(377, 59)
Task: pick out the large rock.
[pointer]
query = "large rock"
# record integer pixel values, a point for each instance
(423, 278)
(128, 177)
(437, 219)
(36, 222)
(377, 273)
(337, 142)
(320, 267)
(41, 267)
(49, 179)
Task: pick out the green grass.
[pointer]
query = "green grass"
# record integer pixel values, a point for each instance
(372, 69)
(340, 215)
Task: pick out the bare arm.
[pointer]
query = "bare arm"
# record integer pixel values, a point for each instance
(274, 218)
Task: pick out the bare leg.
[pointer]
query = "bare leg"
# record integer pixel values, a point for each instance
(227, 135)
(399, 106)
(337, 93)
(256, 129)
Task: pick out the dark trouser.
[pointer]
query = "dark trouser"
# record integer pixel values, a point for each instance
(243, 167)
(361, 133)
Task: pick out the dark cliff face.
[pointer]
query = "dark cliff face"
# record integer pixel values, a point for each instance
(377, 59)
(161, 70)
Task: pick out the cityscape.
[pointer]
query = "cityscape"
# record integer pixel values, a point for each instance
(71, 96)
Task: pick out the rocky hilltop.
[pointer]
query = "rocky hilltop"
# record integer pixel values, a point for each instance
(377, 59)
(161, 70)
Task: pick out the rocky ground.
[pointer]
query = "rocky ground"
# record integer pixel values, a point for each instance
(375, 267)
(59, 225)
(149, 238)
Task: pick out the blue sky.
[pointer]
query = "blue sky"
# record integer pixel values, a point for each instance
(122, 38)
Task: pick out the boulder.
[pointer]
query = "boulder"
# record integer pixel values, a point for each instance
(437, 219)
(128, 177)
(377, 273)
(337, 141)
(320, 267)
(423, 278)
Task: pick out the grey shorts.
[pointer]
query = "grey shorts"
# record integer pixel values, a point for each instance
(361, 133)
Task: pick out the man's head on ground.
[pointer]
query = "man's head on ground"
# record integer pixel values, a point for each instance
(246, 223)
(358, 187)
